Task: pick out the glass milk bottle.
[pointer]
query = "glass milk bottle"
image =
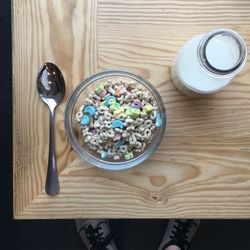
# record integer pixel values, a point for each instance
(208, 62)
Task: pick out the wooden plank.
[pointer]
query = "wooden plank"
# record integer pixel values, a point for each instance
(160, 12)
(202, 166)
(184, 178)
(62, 32)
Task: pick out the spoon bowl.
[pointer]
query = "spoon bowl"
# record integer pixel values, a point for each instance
(51, 89)
(50, 84)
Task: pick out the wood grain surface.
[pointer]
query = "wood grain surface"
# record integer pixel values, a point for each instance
(202, 167)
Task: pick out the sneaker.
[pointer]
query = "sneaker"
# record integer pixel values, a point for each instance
(179, 233)
(96, 234)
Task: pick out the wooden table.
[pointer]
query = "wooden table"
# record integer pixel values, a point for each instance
(202, 167)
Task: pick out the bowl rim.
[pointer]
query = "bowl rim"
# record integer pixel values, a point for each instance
(84, 155)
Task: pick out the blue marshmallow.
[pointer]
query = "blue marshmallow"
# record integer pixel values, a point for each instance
(158, 121)
(117, 124)
(89, 110)
(109, 99)
(119, 144)
(85, 120)
(104, 154)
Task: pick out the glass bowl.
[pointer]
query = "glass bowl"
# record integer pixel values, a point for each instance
(76, 99)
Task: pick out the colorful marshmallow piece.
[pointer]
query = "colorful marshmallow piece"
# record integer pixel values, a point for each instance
(117, 124)
(136, 104)
(85, 120)
(99, 89)
(158, 121)
(97, 103)
(128, 112)
(110, 99)
(90, 110)
(103, 104)
(123, 90)
(119, 144)
(112, 102)
(148, 108)
(104, 154)
(117, 136)
(115, 106)
(133, 113)
(128, 155)
(118, 93)
(103, 93)
(111, 90)
(118, 111)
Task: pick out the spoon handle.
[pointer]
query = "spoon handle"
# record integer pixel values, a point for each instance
(52, 182)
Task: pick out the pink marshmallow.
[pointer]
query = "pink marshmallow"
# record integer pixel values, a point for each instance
(117, 137)
(103, 93)
(97, 102)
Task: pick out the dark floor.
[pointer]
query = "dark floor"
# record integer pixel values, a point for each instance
(129, 235)
(61, 234)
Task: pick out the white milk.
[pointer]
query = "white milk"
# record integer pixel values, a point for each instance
(225, 57)
(222, 52)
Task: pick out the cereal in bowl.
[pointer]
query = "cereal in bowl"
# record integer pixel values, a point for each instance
(118, 119)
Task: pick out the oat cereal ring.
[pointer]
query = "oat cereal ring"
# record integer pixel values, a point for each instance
(100, 141)
(101, 110)
(87, 138)
(139, 121)
(79, 116)
(141, 129)
(153, 115)
(87, 134)
(119, 130)
(97, 124)
(85, 129)
(147, 133)
(104, 135)
(116, 157)
(108, 124)
(111, 133)
(130, 128)
(88, 101)
(138, 144)
(124, 148)
(148, 123)
(138, 136)
(125, 134)
(107, 115)
(132, 139)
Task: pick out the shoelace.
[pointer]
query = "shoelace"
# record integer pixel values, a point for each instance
(180, 233)
(96, 237)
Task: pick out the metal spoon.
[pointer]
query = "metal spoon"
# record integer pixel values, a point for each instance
(51, 88)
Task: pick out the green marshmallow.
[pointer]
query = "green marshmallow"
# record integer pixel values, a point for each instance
(133, 113)
(128, 112)
(114, 106)
(148, 108)
(99, 89)
(128, 156)
(103, 104)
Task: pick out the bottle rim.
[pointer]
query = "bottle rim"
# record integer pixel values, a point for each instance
(202, 56)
